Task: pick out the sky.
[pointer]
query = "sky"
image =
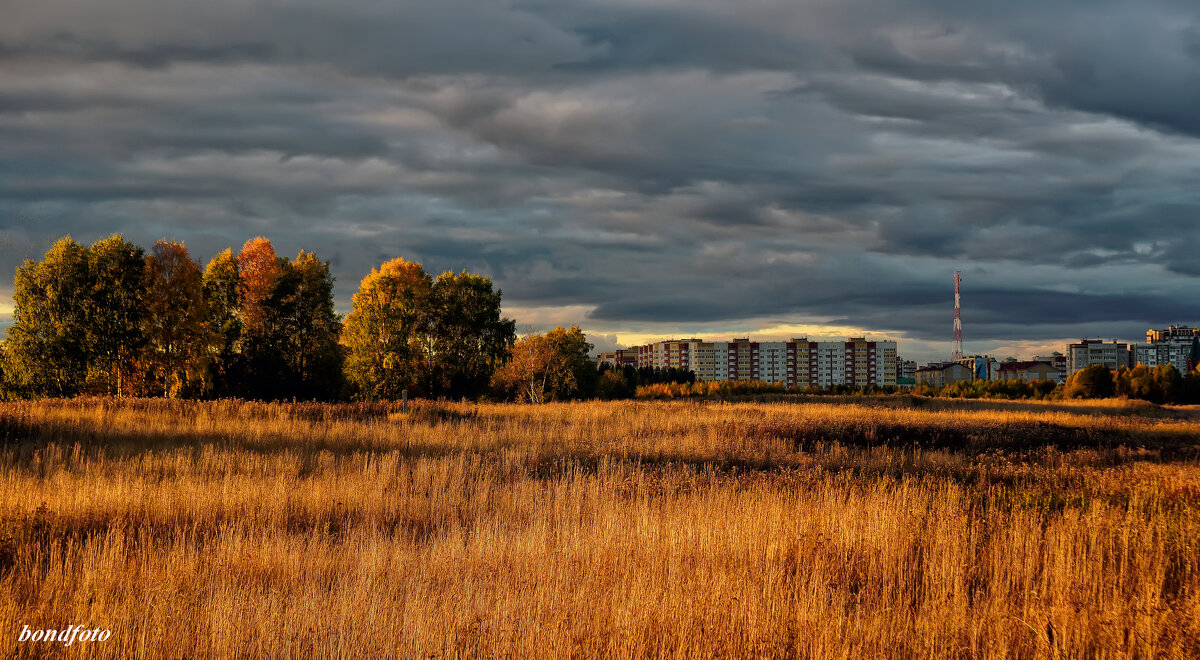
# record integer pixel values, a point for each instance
(643, 168)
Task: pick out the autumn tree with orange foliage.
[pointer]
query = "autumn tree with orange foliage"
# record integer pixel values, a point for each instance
(258, 270)
(259, 364)
(550, 367)
(287, 334)
(178, 354)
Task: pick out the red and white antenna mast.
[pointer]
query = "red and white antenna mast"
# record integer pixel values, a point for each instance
(957, 319)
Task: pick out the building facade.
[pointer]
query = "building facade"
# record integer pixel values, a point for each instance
(1175, 345)
(619, 358)
(856, 362)
(1059, 361)
(983, 367)
(1089, 352)
(1029, 371)
(945, 373)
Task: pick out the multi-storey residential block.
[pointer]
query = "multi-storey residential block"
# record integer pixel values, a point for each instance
(669, 354)
(1172, 333)
(619, 358)
(795, 363)
(1088, 352)
(1176, 345)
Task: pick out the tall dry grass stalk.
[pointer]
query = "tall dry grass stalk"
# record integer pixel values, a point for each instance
(839, 530)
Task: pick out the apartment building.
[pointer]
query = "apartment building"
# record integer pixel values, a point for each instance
(795, 363)
(669, 354)
(1176, 345)
(1089, 352)
(619, 358)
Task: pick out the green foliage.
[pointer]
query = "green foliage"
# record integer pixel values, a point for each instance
(47, 346)
(285, 333)
(467, 338)
(306, 329)
(109, 320)
(1094, 382)
(177, 324)
(1161, 384)
(614, 385)
(439, 338)
(990, 389)
(221, 296)
(624, 382)
(114, 314)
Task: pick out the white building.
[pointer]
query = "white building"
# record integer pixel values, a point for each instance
(796, 363)
(1177, 345)
(1090, 352)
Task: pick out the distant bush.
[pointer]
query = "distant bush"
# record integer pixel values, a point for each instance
(990, 389)
(713, 388)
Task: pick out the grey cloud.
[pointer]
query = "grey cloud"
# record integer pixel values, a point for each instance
(659, 162)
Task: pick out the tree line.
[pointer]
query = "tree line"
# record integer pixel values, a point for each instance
(1160, 384)
(114, 319)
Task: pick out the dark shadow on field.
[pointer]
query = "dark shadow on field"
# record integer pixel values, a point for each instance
(1018, 457)
(1109, 408)
(24, 439)
(24, 435)
(1015, 436)
(768, 447)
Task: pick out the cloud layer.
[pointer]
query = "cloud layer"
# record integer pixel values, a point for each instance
(648, 166)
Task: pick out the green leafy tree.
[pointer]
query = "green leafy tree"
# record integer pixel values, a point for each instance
(385, 333)
(1161, 384)
(177, 322)
(114, 314)
(613, 384)
(467, 338)
(46, 347)
(1094, 382)
(308, 328)
(221, 295)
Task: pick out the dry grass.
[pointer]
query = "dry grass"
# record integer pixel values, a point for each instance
(851, 529)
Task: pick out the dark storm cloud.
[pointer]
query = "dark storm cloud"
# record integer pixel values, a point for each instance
(658, 162)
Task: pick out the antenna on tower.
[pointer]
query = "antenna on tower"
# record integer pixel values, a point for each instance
(957, 319)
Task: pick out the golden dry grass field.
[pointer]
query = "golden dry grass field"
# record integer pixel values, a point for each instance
(827, 528)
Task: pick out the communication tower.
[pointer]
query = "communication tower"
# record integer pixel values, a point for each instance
(958, 353)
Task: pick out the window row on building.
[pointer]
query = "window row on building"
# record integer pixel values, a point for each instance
(799, 362)
(1175, 345)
